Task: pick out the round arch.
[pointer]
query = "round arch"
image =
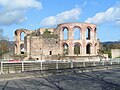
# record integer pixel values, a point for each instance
(15, 33)
(22, 35)
(89, 48)
(22, 49)
(65, 48)
(77, 32)
(95, 31)
(18, 34)
(88, 32)
(89, 27)
(65, 33)
(77, 48)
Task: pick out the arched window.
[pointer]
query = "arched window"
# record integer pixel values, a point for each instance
(88, 32)
(76, 48)
(95, 49)
(22, 49)
(95, 34)
(76, 33)
(15, 33)
(65, 49)
(88, 49)
(22, 35)
(65, 33)
(50, 53)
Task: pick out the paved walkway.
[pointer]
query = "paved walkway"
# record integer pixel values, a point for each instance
(67, 80)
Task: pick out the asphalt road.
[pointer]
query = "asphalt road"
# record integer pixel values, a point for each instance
(69, 80)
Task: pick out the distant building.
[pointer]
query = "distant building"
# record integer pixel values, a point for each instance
(67, 45)
(115, 53)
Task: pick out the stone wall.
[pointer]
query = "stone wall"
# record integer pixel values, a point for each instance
(40, 48)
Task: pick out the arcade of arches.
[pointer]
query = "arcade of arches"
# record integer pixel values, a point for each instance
(75, 39)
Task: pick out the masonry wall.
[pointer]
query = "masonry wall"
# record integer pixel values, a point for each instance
(93, 41)
(37, 47)
(40, 48)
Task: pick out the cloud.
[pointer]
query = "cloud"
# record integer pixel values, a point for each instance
(62, 17)
(109, 15)
(13, 12)
(84, 4)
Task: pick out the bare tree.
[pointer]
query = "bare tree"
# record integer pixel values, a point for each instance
(4, 48)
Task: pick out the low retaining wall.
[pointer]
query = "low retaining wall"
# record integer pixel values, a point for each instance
(18, 67)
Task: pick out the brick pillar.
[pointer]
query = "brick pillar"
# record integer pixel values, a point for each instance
(71, 41)
(61, 38)
(83, 33)
(18, 48)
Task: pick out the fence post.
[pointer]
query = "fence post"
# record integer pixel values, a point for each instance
(111, 62)
(118, 62)
(71, 64)
(41, 65)
(56, 64)
(22, 66)
(1, 67)
(94, 63)
(103, 62)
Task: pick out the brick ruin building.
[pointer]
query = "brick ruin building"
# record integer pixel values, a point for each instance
(65, 46)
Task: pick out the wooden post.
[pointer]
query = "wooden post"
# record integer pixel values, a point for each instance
(83, 63)
(56, 64)
(111, 62)
(41, 65)
(118, 62)
(103, 63)
(71, 64)
(1, 67)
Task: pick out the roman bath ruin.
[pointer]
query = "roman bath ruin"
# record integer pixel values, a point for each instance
(68, 40)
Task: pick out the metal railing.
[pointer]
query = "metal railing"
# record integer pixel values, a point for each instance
(17, 67)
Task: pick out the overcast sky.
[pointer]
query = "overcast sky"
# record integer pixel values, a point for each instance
(34, 14)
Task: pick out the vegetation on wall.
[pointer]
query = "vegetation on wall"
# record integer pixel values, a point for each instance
(19, 57)
(118, 57)
(47, 34)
